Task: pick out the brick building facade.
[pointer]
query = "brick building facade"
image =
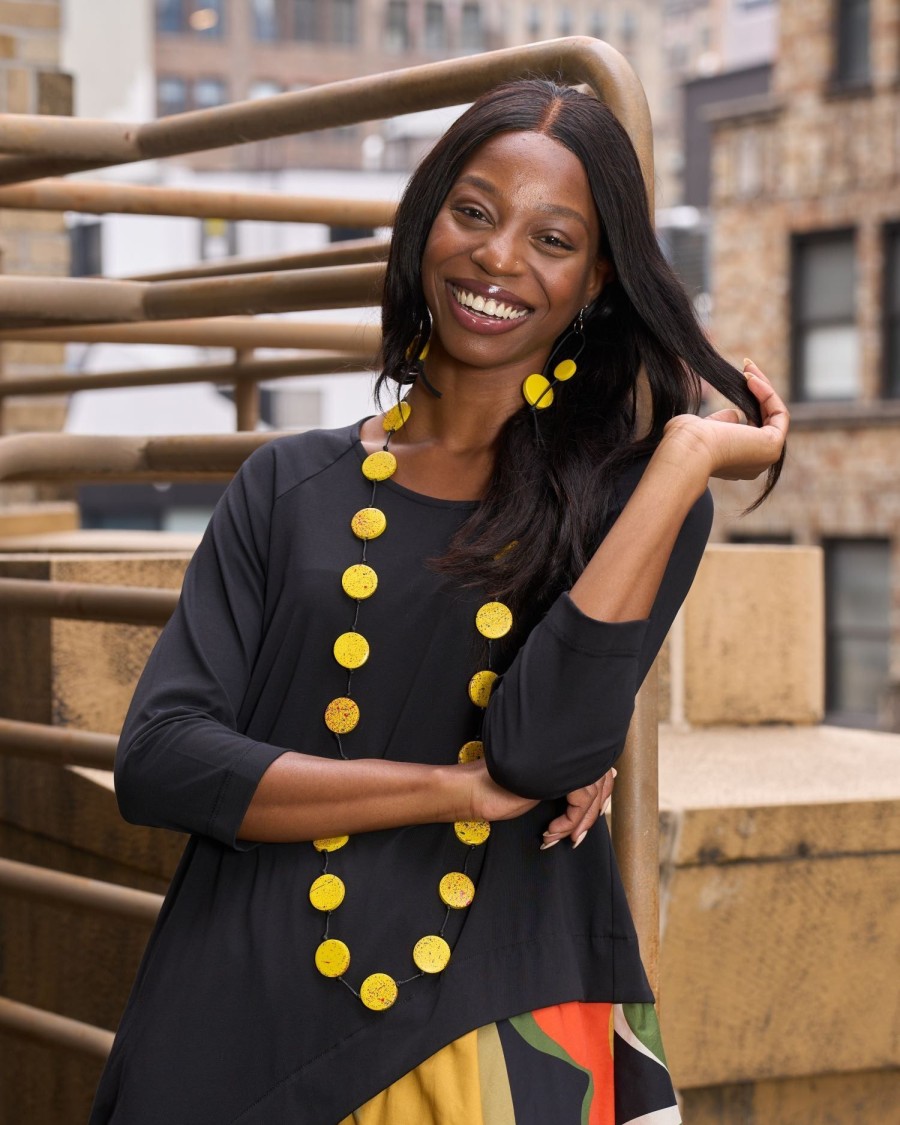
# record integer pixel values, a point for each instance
(806, 279)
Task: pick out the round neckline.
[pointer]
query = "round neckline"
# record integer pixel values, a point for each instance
(419, 497)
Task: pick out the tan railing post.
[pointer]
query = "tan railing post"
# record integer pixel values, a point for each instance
(246, 394)
(635, 824)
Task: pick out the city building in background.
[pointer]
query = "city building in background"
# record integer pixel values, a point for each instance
(805, 266)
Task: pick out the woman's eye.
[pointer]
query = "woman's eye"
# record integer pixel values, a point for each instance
(467, 211)
(555, 242)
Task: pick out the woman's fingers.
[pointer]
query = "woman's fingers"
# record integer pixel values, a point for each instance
(584, 806)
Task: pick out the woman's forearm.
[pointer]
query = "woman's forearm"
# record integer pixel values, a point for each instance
(301, 797)
(622, 579)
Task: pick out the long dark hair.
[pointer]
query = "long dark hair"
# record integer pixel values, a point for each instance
(552, 491)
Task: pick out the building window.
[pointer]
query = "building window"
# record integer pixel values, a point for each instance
(435, 26)
(86, 249)
(564, 22)
(857, 628)
(170, 17)
(597, 25)
(209, 92)
(852, 43)
(198, 17)
(171, 96)
(343, 21)
(825, 334)
(629, 30)
(396, 27)
(471, 32)
(218, 239)
(892, 311)
(264, 88)
(534, 23)
(265, 21)
(306, 21)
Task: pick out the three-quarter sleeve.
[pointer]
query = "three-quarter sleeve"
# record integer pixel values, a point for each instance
(558, 718)
(181, 761)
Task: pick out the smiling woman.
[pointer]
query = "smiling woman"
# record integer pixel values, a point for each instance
(404, 662)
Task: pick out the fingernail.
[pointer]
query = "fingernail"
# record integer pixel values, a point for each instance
(747, 362)
(552, 844)
(615, 772)
(605, 808)
(580, 838)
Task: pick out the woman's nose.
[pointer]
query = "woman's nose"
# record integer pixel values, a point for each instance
(497, 254)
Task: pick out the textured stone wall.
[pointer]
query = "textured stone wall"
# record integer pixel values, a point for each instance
(814, 159)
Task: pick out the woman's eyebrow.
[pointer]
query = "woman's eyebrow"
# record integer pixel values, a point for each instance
(545, 208)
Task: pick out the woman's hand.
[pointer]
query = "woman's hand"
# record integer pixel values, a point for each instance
(729, 449)
(584, 807)
(484, 798)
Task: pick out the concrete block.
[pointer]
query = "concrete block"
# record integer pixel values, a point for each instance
(36, 519)
(780, 913)
(754, 636)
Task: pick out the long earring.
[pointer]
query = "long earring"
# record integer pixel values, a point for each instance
(413, 370)
(537, 390)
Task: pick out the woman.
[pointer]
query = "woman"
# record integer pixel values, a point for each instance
(466, 955)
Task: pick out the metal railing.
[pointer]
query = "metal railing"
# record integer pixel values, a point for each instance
(208, 306)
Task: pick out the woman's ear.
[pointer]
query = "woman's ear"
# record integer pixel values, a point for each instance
(601, 276)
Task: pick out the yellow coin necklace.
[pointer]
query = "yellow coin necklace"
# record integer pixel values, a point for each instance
(431, 953)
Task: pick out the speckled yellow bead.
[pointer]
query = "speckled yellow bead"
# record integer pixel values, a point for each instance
(471, 752)
(330, 843)
(351, 650)
(378, 991)
(480, 687)
(326, 892)
(396, 416)
(493, 620)
(332, 958)
(456, 890)
(368, 523)
(537, 392)
(431, 953)
(473, 832)
(341, 715)
(564, 370)
(359, 581)
(380, 465)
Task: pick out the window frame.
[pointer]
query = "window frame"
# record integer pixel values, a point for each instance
(841, 79)
(799, 240)
(865, 720)
(890, 311)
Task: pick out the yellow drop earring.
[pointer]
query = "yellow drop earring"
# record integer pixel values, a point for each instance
(537, 390)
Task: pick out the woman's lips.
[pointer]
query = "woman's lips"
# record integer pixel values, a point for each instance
(488, 311)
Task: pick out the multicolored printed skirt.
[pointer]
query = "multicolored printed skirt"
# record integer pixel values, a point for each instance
(572, 1064)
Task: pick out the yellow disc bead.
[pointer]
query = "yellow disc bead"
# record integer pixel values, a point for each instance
(396, 416)
(327, 892)
(431, 954)
(332, 958)
(380, 465)
(471, 752)
(341, 715)
(537, 392)
(351, 650)
(378, 992)
(368, 523)
(480, 687)
(359, 581)
(472, 832)
(564, 370)
(330, 843)
(493, 620)
(456, 890)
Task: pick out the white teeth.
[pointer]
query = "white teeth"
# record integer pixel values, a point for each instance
(488, 307)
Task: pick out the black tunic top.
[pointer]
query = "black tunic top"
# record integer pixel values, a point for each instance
(229, 1020)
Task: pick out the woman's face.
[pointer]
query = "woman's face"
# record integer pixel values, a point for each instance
(512, 254)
